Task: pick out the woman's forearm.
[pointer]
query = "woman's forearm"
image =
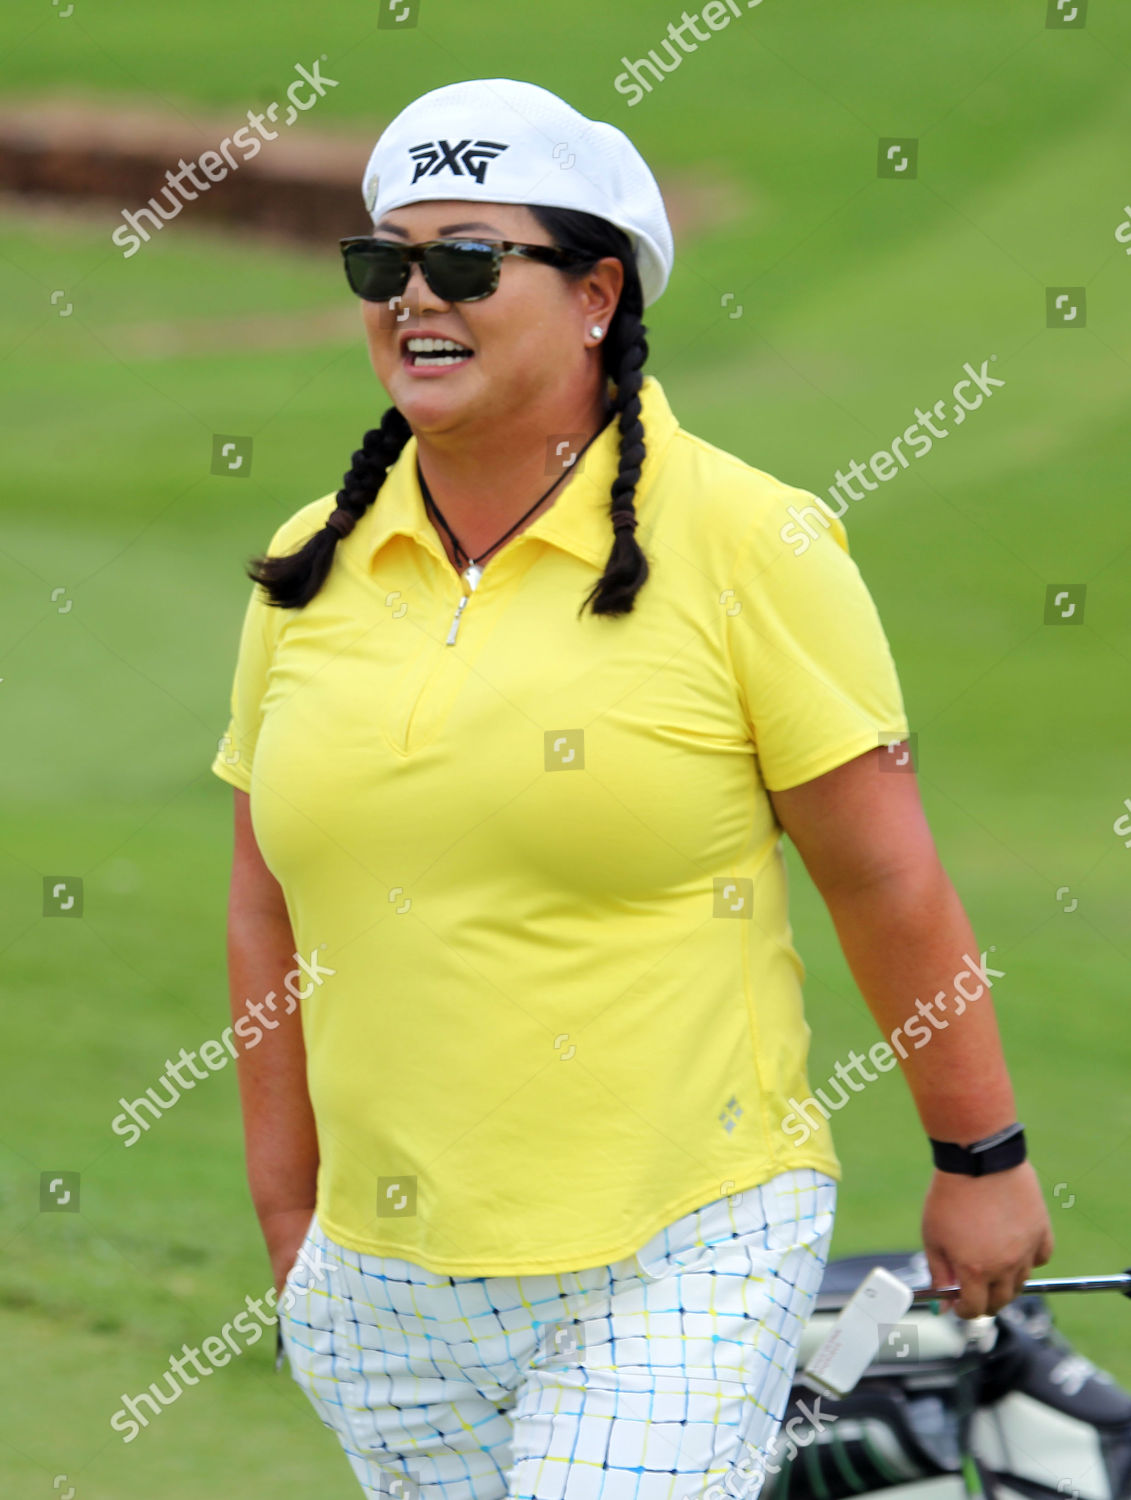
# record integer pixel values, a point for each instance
(913, 953)
(279, 1132)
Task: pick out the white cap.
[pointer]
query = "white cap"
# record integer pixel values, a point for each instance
(498, 140)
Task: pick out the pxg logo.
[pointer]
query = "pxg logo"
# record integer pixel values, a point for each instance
(898, 157)
(1066, 306)
(898, 1341)
(62, 896)
(472, 157)
(59, 1192)
(1064, 603)
(900, 755)
(561, 1343)
(396, 1197)
(1066, 15)
(397, 15)
(231, 456)
(564, 749)
(562, 449)
(734, 896)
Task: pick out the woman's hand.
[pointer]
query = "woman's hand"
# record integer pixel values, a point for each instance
(284, 1232)
(985, 1234)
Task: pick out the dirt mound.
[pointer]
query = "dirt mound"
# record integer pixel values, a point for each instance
(303, 185)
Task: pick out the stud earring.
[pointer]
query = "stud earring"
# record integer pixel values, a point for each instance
(597, 331)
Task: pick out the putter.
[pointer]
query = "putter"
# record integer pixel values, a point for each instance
(1120, 1282)
(853, 1341)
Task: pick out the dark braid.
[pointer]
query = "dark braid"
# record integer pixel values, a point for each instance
(292, 580)
(625, 350)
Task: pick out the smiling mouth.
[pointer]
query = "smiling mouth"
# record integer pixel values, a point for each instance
(435, 353)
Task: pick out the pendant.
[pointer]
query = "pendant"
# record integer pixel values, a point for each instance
(471, 575)
(455, 622)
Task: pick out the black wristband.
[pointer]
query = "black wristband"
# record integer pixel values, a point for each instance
(996, 1153)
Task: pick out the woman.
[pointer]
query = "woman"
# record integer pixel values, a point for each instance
(519, 717)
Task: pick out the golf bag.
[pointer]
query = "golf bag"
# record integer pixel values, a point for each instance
(1003, 1406)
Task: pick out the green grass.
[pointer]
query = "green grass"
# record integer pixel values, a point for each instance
(861, 299)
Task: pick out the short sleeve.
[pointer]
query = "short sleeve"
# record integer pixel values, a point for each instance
(814, 671)
(236, 749)
(262, 623)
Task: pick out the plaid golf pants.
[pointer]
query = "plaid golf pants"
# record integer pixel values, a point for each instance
(652, 1378)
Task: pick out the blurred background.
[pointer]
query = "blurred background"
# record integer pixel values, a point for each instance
(821, 292)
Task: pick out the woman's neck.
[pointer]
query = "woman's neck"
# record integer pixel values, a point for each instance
(483, 488)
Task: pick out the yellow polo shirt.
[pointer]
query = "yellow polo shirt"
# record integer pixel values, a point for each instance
(566, 1007)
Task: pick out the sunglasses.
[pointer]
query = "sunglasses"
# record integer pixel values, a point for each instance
(456, 270)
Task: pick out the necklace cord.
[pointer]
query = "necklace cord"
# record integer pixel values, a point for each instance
(459, 549)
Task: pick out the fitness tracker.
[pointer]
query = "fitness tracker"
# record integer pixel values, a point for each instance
(995, 1153)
